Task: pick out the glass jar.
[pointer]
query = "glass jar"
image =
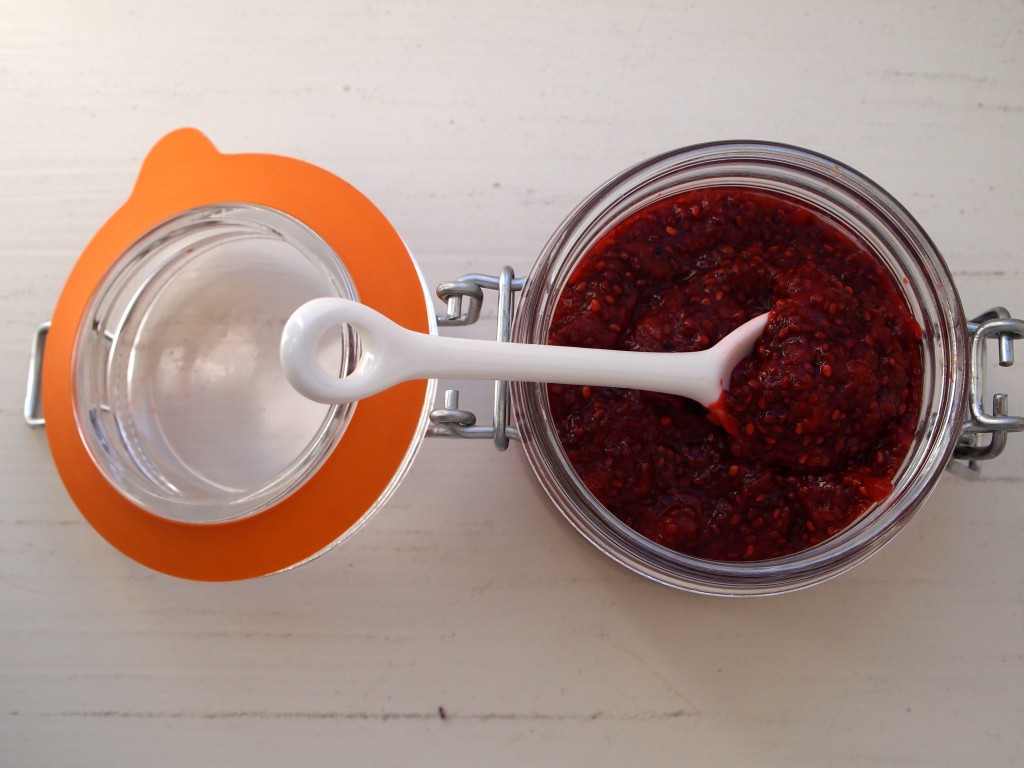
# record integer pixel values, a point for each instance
(859, 206)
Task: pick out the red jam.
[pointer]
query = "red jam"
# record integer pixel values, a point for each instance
(814, 424)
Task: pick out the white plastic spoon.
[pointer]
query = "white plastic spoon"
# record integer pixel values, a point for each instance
(390, 354)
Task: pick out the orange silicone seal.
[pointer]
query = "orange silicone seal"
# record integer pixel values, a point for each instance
(185, 171)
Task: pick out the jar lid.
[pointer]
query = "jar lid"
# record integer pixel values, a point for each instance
(174, 436)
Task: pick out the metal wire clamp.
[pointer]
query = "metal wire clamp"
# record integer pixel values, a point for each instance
(463, 299)
(996, 324)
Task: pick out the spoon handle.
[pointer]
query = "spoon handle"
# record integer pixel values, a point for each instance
(390, 354)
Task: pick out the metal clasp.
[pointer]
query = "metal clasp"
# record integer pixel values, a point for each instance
(33, 392)
(972, 448)
(463, 299)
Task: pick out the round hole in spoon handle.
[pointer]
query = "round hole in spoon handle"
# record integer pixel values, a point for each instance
(390, 354)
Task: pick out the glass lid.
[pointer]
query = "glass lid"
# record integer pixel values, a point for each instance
(167, 410)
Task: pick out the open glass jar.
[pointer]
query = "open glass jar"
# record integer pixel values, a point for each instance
(114, 393)
(859, 207)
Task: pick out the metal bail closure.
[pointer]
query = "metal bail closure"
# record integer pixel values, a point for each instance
(34, 390)
(451, 421)
(971, 449)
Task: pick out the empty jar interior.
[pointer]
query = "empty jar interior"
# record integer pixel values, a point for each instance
(180, 395)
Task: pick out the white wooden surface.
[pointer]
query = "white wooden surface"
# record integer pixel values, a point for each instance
(476, 127)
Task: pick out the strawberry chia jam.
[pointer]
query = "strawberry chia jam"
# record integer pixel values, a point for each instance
(814, 424)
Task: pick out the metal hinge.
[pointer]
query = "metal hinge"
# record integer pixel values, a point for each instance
(463, 299)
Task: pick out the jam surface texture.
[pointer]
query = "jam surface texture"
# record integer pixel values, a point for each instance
(814, 425)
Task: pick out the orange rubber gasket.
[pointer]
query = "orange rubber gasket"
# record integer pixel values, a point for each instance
(185, 171)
